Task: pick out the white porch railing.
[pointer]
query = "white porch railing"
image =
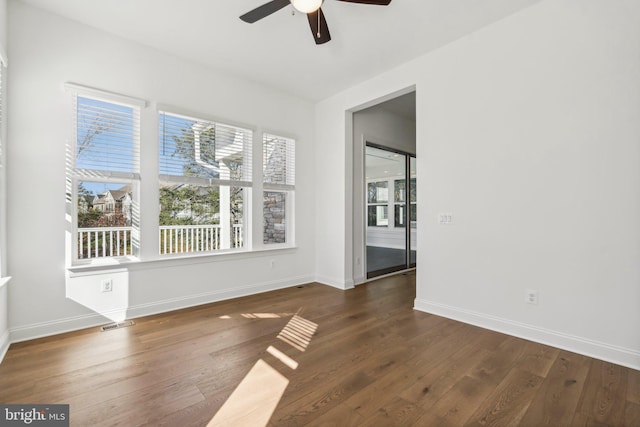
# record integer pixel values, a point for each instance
(195, 238)
(101, 242)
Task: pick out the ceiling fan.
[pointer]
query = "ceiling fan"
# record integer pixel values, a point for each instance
(317, 22)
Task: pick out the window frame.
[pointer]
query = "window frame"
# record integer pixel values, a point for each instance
(288, 188)
(75, 175)
(149, 250)
(3, 187)
(377, 204)
(246, 185)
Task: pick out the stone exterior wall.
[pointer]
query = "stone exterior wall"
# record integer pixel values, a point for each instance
(274, 217)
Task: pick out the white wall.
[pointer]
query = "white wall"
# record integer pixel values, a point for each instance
(386, 128)
(47, 51)
(4, 313)
(380, 126)
(527, 132)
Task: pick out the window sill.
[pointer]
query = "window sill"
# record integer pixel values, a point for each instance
(4, 281)
(171, 261)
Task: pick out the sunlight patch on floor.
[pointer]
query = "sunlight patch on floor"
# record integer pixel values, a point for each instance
(282, 357)
(259, 315)
(298, 332)
(252, 403)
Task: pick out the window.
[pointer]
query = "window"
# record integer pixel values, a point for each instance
(103, 175)
(205, 183)
(278, 171)
(2, 171)
(399, 206)
(400, 192)
(1, 110)
(377, 199)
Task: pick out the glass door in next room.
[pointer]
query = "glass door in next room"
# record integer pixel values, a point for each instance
(391, 210)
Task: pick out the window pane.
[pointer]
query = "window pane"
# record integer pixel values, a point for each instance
(104, 219)
(197, 218)
(413, 190)
(274, 213)
(399, 214)
(377, 216)
(378, 192)
(203, 149)
(107, 136)
(414, 215)
(278, 162)
(399, 190)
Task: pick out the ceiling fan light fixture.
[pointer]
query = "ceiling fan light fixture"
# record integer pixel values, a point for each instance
(306, 6)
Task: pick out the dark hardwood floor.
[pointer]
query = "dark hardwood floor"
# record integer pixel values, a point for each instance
(315, 355)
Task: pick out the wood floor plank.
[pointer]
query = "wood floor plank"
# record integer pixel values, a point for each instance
(369, 360)
(133, 408)
(556, 402)
(582, 420)
(320, 401)
(632, 414)
(604, 396)
(396, 412)
(457, 405)
(433, 381)
(339, 416)
(499, 362)
(508, 403)
(537, 358)
(633, 386)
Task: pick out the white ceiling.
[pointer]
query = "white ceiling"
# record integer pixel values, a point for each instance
(279, 50)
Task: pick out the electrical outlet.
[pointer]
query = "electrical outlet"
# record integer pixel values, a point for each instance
(531, 296)
(106, 285)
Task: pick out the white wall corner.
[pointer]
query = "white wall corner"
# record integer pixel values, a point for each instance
(335, 283)
(599, 350)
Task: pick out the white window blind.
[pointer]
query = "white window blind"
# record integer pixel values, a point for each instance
(278, 162)
(1, 109)
(203, 152)
(107, 142)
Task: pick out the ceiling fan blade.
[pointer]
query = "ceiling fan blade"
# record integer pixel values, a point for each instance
(377, 2)
(264, 10)
(320, 34)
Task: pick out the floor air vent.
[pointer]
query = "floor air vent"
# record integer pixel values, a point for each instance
(112, 326)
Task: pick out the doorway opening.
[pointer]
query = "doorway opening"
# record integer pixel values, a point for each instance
(391, 208)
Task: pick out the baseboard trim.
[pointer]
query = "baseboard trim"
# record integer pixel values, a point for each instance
(359, 280)
(59, 326)
(141, 310)
(335, 283)
(599, 350)
(4, 344)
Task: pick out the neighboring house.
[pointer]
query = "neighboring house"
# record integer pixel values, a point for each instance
(198, 208)
(85, 202)
(113, 202)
